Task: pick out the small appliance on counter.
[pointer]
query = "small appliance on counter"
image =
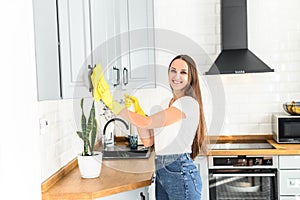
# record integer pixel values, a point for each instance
(286, 128)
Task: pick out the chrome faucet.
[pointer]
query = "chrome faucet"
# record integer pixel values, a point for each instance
(107, 123)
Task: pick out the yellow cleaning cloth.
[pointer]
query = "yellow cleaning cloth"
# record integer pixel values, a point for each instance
(97, 78)
(101, 90)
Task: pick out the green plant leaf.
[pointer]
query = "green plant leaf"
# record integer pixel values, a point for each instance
(83, 122)
(92, 127)
(83, 127)
(89, 130)
(89, 144)
(81, 104)
(90, 121)
(79, 133)
(93, 134)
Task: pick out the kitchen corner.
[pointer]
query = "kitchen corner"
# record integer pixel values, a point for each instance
(116, 176)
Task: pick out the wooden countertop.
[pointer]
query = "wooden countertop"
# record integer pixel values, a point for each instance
(116, 176)
(279, 149)
(124, 175)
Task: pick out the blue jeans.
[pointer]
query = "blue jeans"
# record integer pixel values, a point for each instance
(177, 178)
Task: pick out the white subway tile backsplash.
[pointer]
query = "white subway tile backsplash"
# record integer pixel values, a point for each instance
(209, 49)
(58, 145)
(293, 96)
(265, 128)
(210, 39)
(289, 87)
(249, 128)
(239, 118)
(261, 118)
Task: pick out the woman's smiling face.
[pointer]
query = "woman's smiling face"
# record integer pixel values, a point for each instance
(178, 76)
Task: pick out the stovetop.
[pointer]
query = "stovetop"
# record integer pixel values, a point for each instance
(237, 146)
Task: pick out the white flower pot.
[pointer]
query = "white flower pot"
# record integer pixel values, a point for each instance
(90, 166)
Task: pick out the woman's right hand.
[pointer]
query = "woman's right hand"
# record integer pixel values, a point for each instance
(134, 100)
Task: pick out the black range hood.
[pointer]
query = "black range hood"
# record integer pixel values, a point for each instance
(235, 57)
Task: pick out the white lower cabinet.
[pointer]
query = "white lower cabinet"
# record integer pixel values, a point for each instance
(151, 191)
(289, 198)
(137, 194)
(289, 178)
(202, 165)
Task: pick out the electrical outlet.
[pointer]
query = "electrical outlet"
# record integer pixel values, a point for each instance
(43, 125)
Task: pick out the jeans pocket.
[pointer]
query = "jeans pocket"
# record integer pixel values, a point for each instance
(173, 168)
(196, 179)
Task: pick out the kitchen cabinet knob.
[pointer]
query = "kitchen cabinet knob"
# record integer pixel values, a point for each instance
(125, 76)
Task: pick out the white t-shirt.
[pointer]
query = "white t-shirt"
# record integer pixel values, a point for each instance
(178, 137)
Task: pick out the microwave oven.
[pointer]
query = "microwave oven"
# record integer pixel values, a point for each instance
(286, 128)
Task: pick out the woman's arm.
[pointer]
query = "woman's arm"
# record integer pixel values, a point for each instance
(147, 136)
(157, 120)
(146, 124)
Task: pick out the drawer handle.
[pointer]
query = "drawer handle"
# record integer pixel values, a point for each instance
(294, 182)
(250, 174)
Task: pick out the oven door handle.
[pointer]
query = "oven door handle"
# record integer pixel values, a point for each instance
(245, 174)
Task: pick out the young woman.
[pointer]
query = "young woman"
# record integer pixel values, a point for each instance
(181, 135)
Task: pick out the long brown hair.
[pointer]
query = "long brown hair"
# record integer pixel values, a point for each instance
(193, 90)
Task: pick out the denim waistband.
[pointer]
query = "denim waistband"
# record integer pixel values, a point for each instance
(167, 159)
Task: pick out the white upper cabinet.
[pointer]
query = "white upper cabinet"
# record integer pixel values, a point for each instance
(72, 36)
(105, 28)
(123, 42)
(46, 47)
(141, 44)
(75, 47)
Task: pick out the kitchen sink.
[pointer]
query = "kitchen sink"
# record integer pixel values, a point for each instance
(125, 152)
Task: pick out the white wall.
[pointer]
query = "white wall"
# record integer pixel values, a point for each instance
(274, 35)
(19, 148)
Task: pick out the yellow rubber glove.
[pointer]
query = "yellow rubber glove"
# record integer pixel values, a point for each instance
(134, 100)
(101, 90)
(127, 101)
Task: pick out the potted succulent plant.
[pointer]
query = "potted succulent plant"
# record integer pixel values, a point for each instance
(89, 161)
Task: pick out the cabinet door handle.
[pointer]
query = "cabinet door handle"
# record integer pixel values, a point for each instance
(294, 182)
(89, 78)
(118, 76)
(125, 76)
(142, 196)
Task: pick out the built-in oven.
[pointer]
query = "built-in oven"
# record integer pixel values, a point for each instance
(243, 177)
